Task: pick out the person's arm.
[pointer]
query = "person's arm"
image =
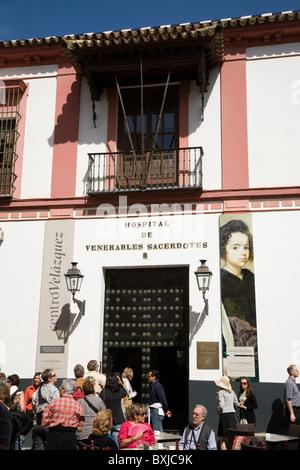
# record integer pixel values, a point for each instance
(160, 393)
(288, 393)
(211, 443)
(81, 422)
(236, 403)
(181, 444)
(34, 402)
(128, 388)
(22, 405)
(130, 440)
(149, 435)
(55, 393)
(123, 438)
(19, 401)
(251, 403)
(219, 403)
(291, 411)
(46, 416)
(27, 398)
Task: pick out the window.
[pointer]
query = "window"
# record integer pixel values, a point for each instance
(148, 136)
(10, 96)
(167, 135)
(7, 155)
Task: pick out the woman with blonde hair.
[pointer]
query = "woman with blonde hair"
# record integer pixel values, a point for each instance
(127, 376)
(135, 432)
(226, 405)
(102, 425)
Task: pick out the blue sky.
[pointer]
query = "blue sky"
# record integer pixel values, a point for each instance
(25, 19)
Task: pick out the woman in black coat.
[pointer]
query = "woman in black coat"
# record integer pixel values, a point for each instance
(247, 401)
(112, 396)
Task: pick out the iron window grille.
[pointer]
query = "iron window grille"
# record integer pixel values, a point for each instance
(10, 97)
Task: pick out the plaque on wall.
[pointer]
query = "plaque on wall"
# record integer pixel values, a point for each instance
(207, 355)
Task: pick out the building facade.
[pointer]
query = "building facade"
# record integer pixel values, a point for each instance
(128, 152)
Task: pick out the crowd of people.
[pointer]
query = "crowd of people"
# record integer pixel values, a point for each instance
(99, 410)
(92, 408)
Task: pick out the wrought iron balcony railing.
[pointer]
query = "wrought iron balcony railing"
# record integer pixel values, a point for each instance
(152, 170)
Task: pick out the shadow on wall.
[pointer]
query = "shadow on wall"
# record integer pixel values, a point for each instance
(67, 323)
(278, 423)
(196, 321)
(270, 415)
(66, 126)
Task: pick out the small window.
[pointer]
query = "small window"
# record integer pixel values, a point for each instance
(8, 138)
(10, 96)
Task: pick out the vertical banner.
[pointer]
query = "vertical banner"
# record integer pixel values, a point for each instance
(55, 315)
(238, 309)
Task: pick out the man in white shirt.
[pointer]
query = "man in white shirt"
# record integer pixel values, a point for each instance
(93, 371)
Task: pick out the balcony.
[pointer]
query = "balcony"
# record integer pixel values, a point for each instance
(152, 170)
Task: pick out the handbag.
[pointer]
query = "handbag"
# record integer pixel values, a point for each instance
(40, 408)
(91, 405)
(21, 422)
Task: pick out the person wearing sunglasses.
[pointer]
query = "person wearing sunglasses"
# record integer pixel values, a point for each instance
(40, 400)
(134, 432)
(247, 400)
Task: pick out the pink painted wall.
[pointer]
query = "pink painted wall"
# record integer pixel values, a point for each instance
(66, 133)
(234, 121)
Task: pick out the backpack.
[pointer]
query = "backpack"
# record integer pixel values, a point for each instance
(21, 422)
(78, 393)
(42, 405)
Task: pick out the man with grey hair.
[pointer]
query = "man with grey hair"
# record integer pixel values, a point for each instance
(62, 417)
(292, 396)
(93, 371)
(198, 435)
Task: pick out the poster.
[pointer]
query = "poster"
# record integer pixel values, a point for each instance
(55, 316)
(238, 306)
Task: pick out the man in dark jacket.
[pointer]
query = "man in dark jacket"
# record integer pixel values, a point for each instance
(158, 403)
(198, 435)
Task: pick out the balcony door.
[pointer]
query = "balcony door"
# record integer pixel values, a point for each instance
(148, 136)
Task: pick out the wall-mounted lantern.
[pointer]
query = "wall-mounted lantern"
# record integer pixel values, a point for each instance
(203, 276)
(74, 280)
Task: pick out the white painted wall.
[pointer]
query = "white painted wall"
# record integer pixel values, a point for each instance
(181, 228)
(39, 128)
(276, 264)
(207, 133)
(273, 102)
(277, 280)
(91, 139)
(21, 255)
